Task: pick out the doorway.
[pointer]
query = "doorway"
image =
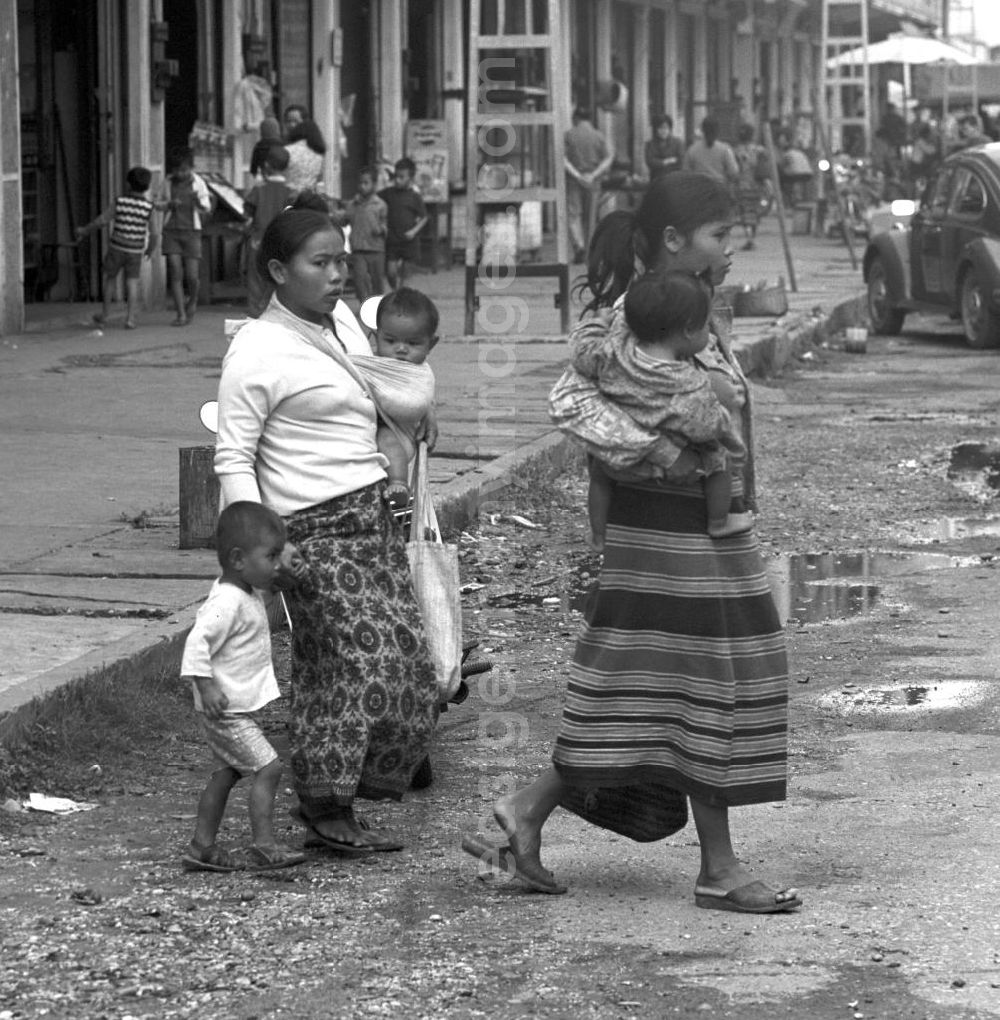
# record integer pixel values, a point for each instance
(60, 145)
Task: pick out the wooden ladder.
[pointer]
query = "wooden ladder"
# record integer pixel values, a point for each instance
(846, 92)
(518, 98)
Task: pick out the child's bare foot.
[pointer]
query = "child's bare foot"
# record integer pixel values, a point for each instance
(732, 524)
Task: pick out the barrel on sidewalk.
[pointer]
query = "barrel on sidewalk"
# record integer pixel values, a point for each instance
(199, 497)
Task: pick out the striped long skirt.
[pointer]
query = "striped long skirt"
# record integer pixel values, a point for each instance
(680, 676)
(364, 696)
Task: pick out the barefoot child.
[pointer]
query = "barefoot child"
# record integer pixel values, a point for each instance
(227, 658)
(130, 240)
(406, 217)
(645, 365)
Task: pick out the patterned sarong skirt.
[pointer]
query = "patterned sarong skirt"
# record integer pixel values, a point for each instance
(363, 696)
(680, 675)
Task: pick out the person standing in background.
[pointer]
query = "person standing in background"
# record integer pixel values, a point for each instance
(664, 153)
(270, 132)
(263, 202)
(367, 216)
(707, 155)
(306, 155)
(587, 159)
(186, 198)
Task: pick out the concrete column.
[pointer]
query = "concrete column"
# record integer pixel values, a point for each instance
(640, 85)
(670, 56)
(390, 41)
(602, 63)
(699, 87)
(11, 238)
(453, 77)
(325, 99)
(743, 67)
(144, 142)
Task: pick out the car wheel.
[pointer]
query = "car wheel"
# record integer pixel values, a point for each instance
(886, 320)
(981, 324)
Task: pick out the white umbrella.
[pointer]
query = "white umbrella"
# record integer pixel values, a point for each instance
(904, 49)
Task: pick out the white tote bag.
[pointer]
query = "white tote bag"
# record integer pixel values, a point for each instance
(434, 566)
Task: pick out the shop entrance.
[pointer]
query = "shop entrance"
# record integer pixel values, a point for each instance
(62, 135)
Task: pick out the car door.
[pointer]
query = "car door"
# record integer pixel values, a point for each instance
(968, 210)
(926, 255)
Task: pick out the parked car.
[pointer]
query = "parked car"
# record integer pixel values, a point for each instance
(948, 258)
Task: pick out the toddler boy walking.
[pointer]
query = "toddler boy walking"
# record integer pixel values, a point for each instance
(407, 216)
(130, 240)
(227, 659)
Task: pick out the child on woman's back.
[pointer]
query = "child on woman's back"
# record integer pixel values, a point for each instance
(227, 658)
(644, 364)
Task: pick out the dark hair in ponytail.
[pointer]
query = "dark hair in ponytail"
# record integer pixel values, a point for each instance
(625, 243)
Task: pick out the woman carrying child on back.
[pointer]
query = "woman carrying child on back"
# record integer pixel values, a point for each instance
(679, 678)
(297, 432)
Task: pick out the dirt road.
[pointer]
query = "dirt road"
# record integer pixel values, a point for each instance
(885, 567)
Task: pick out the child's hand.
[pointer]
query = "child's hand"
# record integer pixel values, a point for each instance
(213, 699)
(596, 541)
(427, 430)
(291, 569)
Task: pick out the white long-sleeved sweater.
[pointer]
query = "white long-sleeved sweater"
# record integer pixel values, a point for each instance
(294, 428)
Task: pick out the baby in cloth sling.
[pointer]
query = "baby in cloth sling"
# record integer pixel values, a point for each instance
(400, 380)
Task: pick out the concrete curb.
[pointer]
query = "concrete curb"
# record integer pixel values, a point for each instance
(457, 504)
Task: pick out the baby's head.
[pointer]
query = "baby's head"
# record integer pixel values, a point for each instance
(249, 538)
(406, 326)
(669, 307)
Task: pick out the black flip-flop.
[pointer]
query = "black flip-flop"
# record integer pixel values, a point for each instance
(502, 859)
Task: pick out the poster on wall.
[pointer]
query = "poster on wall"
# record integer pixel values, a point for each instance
(426, 144)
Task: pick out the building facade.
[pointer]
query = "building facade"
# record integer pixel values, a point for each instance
(92, 87)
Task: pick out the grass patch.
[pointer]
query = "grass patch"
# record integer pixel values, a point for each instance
(106, 719)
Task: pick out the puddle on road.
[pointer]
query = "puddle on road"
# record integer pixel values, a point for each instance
(975, 469)
(815, 587)
(951, 528)
(947, 694)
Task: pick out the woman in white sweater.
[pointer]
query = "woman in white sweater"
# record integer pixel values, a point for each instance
(297, 432)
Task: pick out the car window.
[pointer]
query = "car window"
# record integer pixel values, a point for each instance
(936, 195)
(969, 195)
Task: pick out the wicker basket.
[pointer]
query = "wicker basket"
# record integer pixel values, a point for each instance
(769, 301)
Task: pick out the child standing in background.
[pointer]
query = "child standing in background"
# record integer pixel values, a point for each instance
(366, 215)
(130, 240)
(263, 202)
(186, 198)
(407, 216)
(227, 659)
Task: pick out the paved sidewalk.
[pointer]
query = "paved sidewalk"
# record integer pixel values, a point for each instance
(91, 576)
